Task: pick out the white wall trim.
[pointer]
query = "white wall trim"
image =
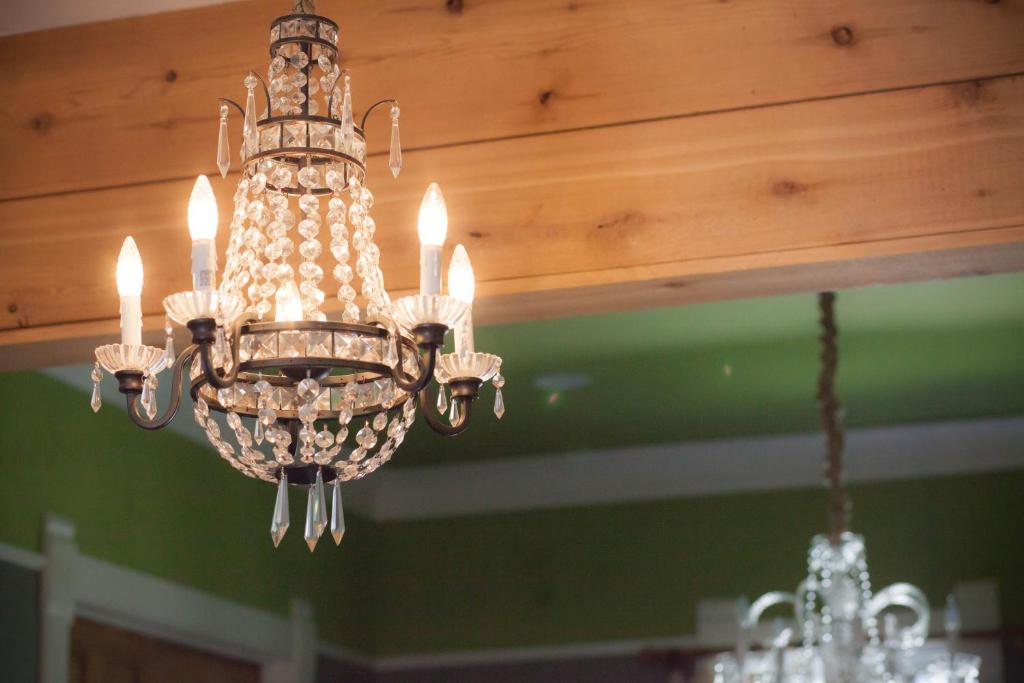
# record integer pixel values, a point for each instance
(78, 585)
(689, 469)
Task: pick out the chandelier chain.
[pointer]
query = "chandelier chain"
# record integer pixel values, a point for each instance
(304, 7)
(831, 423)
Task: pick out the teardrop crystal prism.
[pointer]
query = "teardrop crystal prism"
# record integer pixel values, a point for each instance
(310, 533)
(223, 148)
(395, 157)
(321, 504)
(390, 352)
(337, 513)
(453, 414)
(279, 524)
(169, 350)
(442, 400)
(499, 404)
(147, 392)
(151, 406)
(249, 132)
(257, 433)
(96, 402)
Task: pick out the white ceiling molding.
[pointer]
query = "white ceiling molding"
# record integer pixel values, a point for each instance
(688, 469)
(679, 470)
(38, 15)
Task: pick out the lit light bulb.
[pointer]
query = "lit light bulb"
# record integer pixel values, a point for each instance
(461, 282)
(129, 269)
(202, 227)
(462, 286)
(289, 303)
(202, 211)
(129, 287)
(432, 226)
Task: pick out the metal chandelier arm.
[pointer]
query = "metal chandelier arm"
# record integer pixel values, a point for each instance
(389, 100)
(172, 407)
(205, 339)
(427, 362)
(463, 408)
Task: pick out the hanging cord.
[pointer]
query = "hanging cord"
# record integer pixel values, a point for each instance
(828, 411)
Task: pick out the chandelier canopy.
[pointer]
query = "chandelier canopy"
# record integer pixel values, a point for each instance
(844, 632)
(264, 351)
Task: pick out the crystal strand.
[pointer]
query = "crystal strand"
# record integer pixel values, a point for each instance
(342, 271)
(249, 130)
(395, 156)
(347, 122)
(310, 249)
(261, 289)
(337, 513)
(442, 400)
(96, 376)
(499, 400)
(223, 149)
(279, 523)
(368, 261)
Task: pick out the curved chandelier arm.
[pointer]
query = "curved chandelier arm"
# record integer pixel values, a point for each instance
(236, 105)
(427, 363)
(212, 375)
(266, 91)
(390, 100)
(172, 407)
(464, 409)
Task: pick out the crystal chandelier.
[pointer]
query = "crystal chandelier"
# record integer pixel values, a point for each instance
(847, 633)
(263, 351)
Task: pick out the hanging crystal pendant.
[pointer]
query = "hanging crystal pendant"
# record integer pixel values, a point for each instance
(279, 524)
(96, 375)
(223, 148)
(347, 122)
(257, 433)
(337, 513)
(147, 394)
(395, 157)
(312, 515)
(151, 406)
(442, 400)
(249, 132)
(453, 414)
(321, 504)
(220, 349)
(391, 351)
(169, 346)
(499, 400)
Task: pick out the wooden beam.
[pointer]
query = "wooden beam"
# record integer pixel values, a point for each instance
(841, 192)
(134, 100)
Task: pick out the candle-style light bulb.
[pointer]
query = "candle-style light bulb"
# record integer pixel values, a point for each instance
(202, 227)
(129, 288)
(462, 286)
(432, 226)
(288, 303)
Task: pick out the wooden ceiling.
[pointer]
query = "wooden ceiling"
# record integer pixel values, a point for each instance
(596, 155)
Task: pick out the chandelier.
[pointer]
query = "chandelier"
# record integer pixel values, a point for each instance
(847, 633)
(292, 384)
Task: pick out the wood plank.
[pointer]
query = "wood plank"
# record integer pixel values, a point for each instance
(667, 284)
(133, 100)
(942, 164)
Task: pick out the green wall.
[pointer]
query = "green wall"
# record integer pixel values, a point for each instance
(160, 503)
(637, 570)
(167, 506)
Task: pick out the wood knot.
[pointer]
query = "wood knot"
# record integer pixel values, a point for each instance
(545, 96)
(171, 76)
(842, 35)
(476, 233)
(41, 123)
(454, 6)
(788, 188)
(12, 308)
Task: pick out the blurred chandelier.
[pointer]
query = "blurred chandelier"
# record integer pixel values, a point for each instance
(305, 381)
(834, 607)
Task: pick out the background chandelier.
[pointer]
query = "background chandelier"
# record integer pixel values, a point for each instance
(834, 607)
(302, 381)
